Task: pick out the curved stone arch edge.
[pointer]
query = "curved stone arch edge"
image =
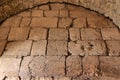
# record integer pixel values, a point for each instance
(41, 4)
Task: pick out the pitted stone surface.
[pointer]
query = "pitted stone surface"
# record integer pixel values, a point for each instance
(58, 41)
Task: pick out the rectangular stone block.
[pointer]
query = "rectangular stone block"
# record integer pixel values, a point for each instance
(39, 48)
(87, 48)
(18, 34)
(25, 22)
(44, 22)
(57, 48)
(18, 48)
(58, 34)
(9, 66)
(73, 66)
(37, 13)
(80, 22)
(51, 13)
(38, 34)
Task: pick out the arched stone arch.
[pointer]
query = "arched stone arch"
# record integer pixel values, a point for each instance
(59, 40)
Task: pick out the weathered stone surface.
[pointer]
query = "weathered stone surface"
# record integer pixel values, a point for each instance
(25, 14)
(57, 6)
(90, 66)
(18, 34)
(44, 22)
(96, 21)
(47, 66)
(80, 22)
(57, 48)
(39, 48)
(108, 78)
(90, 34)
(37, 13)
(64, 13)
(65, 22)
(74, 34)
(110, 33)
(38, 34)
(9, 66)
(113, 48)
(87, 48)
(18, 48)
(25, 22)
(73, 66)
(12, 22)
(2, 46)
(4, 33)
(58, 34)
(51, 13)
(110, 66)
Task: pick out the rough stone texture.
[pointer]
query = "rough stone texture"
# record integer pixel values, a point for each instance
(38, 34)
(64, 13)
(74, 34)
(44, 7)
(57, 48)
(2, 46)
(25, 22)
(73, 66)
(12, 78)
(65, 22)
(45, 66)
(11, 68)
(39, 48)
(110, 66)
(110, 34)
(42, 78)
(14, 20)
(18, 34)
(80, 22)
(18, 48)
(51, 13)
(37, 13)
(62, 78)
(87, 48)
(4, 33)
(44, 22)
(90, 34)
(113, 47)
(90, 66)
(58, 34)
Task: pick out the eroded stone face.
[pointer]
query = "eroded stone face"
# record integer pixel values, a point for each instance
(87, 48)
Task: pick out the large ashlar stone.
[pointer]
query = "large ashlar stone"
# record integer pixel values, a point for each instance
(57, 48)
(87, 48)
(9, 66)
(110, 66)
(18, 48)
(73, 66)
(44, 22)
(43, 66)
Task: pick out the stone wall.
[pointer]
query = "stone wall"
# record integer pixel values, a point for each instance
(110, 8)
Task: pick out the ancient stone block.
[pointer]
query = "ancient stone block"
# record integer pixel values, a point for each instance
(64, 13)
(74, 34)
(58, 34)
(25, 22)
(87, 48)
(9, 66)
(51, 13)
(57, 47)
(44, 22)
(65, 23)
(18, 49)
(80, 22)
(110, 33)
(37, 13)
(39, 47)
(90, 34)
(113, 48)
(44, 7)
(38, 34)
(18, 34)
(73, 66)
